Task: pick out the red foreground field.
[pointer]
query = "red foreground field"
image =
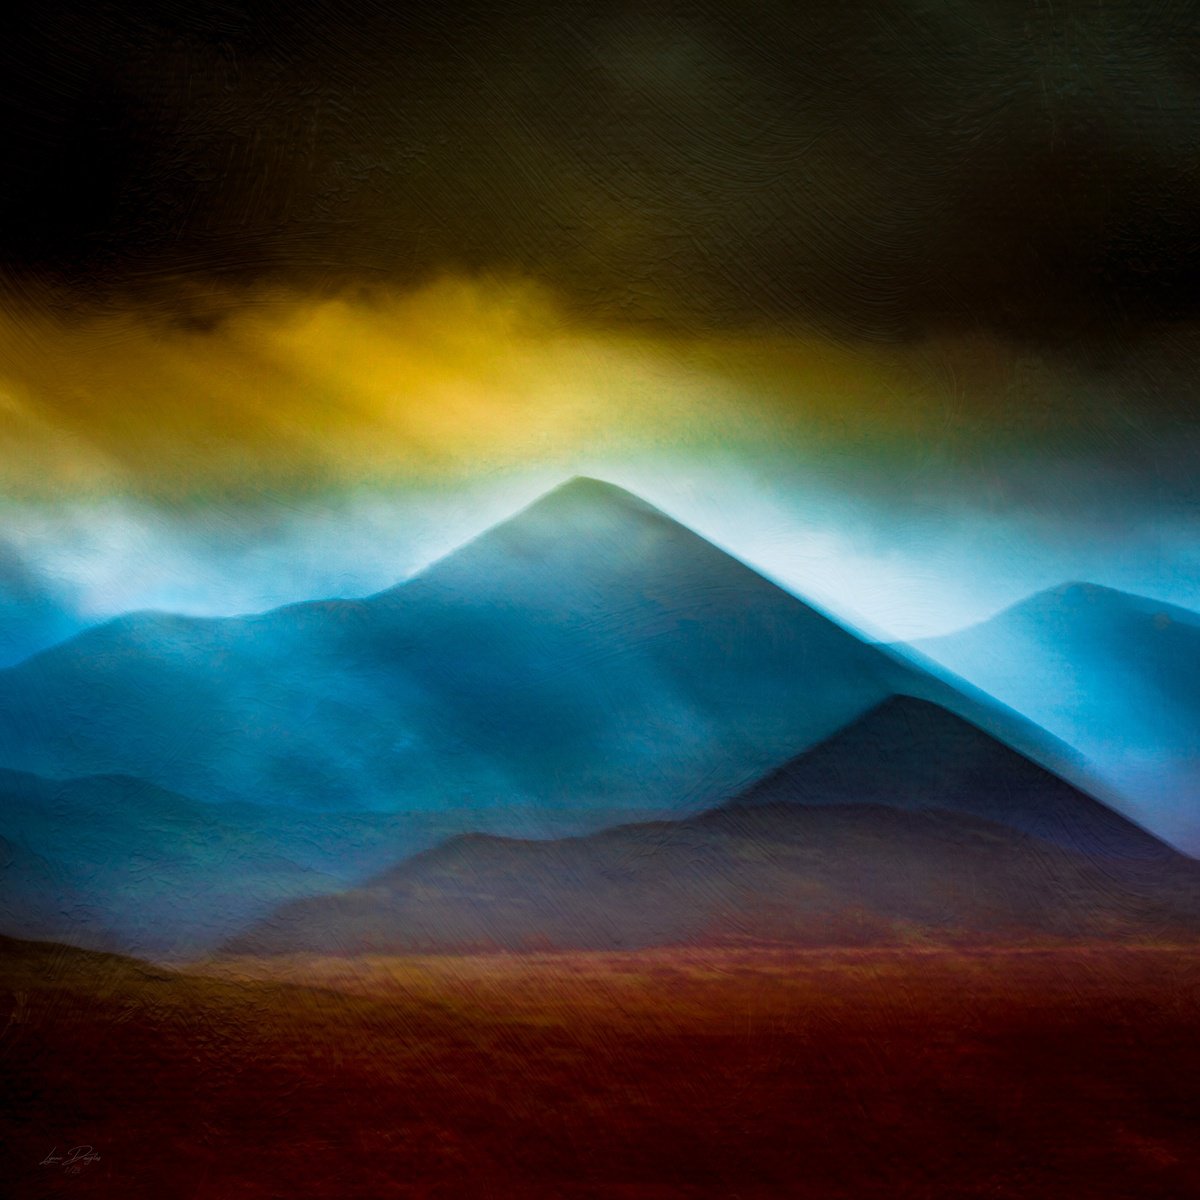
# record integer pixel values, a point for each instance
(1064, 1073)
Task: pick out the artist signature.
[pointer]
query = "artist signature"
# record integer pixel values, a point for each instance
(73, 1161)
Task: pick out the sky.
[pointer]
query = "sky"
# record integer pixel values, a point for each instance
(896, 302)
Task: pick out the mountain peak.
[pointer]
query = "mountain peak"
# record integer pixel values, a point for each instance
(581, 525)
(1077, 591)
(1094, 602)
(584, 493)
(590, 485)
(911, 753)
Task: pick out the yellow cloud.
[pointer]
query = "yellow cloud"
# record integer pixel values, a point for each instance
(459, 378)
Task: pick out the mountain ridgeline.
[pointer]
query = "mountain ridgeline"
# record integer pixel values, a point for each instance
(588, 653)
(911, 754)
(283, 781)
(1115, 675)
(909, 827)
(114, 863)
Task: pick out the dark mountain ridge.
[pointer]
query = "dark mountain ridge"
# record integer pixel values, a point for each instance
(787, 862)
(910, 753)
(804, 875)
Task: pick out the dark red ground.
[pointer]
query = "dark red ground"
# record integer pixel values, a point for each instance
(1065, 1074)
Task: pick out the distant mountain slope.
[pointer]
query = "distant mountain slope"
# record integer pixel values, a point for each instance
(116, 863)
(911, 754)
(152, 870)
(908, 823)
(588, 653)
(113, 862)
(831, 875)
(39, 899)
(1115, 675)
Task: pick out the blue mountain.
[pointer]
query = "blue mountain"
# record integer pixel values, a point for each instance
(586, 663)
(1115, 675)
(588, 654)
(32, 615)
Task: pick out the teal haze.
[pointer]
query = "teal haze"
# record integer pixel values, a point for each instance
(588, 662)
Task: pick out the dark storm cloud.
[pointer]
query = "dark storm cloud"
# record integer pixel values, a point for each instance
(875, 170)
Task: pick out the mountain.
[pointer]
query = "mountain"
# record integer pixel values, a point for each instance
(39, 899)
(1115, 675)
(116, 863)
(807, 875)
(113, 862)
(908, 753)
(589, 653)
(909, 824)
(32, 615)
